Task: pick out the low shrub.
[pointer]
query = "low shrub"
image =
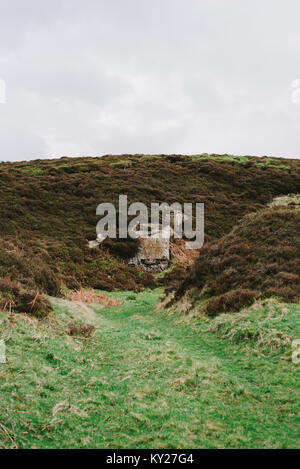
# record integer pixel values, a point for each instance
(32, 303)
(233, 300)
(14, 298)
(260, 254)
(51, 205)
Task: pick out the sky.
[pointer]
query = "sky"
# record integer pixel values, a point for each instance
(94, 77)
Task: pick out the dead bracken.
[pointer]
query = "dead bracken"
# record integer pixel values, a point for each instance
(90, 296)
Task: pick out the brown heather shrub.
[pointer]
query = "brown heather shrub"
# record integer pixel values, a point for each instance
(71, 282)
(260, 254)
(171, 280)
(32, 303)
(51, 205)
(15, 299)
(124, 249)
(22, 262)
(233, 300)
(25, 276)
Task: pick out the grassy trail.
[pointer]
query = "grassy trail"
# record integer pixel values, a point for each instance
(146, 380)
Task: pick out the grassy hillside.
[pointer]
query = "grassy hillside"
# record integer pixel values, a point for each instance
(259, 258)
(47, 213)
(150, 380)
(208, 367)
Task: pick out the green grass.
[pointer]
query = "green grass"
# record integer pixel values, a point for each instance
(145, 380)
(233, 159)
(260, 162)
(268, 325)
(223, 158)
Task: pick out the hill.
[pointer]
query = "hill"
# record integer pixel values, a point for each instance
(83, 368)
(48, 207)
(259, 258)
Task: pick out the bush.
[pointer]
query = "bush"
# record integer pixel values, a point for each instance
(233, 300)
(15, 299)
(260, 254)
(125, 249)
(51, 206)
(32, 303)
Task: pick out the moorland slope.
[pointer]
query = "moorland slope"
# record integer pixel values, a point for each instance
(48, 213)
(259, 258)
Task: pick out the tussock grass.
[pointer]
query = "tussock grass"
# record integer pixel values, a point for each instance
(268, 326)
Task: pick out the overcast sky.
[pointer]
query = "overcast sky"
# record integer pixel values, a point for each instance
(91, 77)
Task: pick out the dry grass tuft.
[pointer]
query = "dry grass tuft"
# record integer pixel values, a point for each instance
(291, 199)
(90, 296)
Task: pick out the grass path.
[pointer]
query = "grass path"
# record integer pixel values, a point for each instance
(146, 380)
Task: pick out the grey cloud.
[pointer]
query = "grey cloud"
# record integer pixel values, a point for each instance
(126, 76)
